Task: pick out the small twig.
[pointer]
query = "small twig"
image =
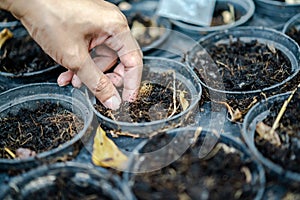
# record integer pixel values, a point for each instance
(282, 110)
(174, 95)
(226, 66)
(10, 152)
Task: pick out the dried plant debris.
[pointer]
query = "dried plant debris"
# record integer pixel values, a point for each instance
(225, 175)
(294, 33)
(106, 153)
(145, 29)
(287, 152)
(29, 132)
(163, 99)
(20, 55)
(225, 15)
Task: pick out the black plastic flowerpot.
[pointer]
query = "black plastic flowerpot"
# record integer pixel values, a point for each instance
(69, 180)
(42, 123)
(168, 98)
(23, 62)
(276, 9)
(243, 62)
(292, 28)
(277, 151)
(244, 10)
(150, 30)
(196, 164)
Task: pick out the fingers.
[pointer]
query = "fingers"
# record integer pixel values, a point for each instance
(117, 76)
(104, 57)
(69, 77)
(99, 84)
(65, 78)
(130, 56)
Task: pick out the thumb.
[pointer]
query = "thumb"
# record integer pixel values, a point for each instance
(99, 84)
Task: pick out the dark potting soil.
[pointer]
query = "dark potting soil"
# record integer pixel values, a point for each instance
(38, 130)
(287, 154)
(23, 55)
(218, 18)
(223, 176)
(6, 16)
(64, 188)
(294, 33)
(155, 101)
(242, 66)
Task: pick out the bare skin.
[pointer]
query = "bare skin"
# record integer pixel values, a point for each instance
(68, 30)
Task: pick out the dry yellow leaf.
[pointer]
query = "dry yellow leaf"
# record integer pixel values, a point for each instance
(5, 34)
(106, 153)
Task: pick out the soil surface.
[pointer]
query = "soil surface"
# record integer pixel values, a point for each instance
(288, 153)
(242, 66)
(294, 33)
(63, 188)
(155, 101)
(37, 130)
(222, 176)
(23, 55)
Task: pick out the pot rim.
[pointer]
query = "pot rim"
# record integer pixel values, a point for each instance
(246, 31)
(248, 131)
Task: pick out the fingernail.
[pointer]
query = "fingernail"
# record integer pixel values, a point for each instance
(112, 103)
(61, 82)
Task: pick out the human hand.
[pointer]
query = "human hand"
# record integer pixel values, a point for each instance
(67, 30)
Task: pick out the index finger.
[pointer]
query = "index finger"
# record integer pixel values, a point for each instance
(131, 56)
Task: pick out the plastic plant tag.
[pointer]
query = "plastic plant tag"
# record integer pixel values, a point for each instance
(198, 12)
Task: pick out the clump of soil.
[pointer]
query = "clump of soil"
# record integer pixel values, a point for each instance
(223, 14)
(225, 175)
(294, 33)
(37, 130)
(6, 16)
(286, 154)
(155, 101)
(145, 29)
(21, 55)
